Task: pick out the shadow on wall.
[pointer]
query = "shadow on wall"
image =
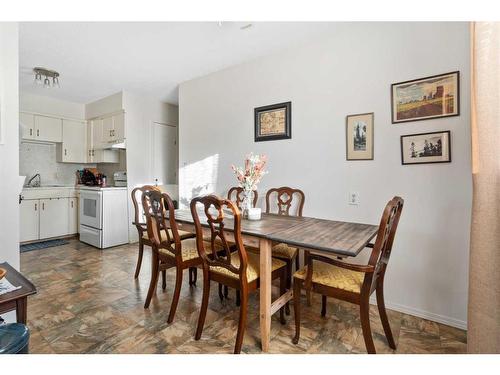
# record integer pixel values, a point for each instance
(198, 178)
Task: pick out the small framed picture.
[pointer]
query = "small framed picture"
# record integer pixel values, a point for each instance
(273, 122)
(359, 137)
(426, 148)
(426, 98)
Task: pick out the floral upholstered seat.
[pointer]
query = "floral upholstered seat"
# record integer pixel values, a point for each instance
(253, 268)
(335, 277)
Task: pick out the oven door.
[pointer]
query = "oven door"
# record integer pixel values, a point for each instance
(90, 209)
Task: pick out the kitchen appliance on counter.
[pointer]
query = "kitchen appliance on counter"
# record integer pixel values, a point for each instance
(103, 216)
(120, 178)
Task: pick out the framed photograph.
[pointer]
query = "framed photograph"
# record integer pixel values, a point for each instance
(426, 98)
(273, 122)
(359, 136)
(426, 148)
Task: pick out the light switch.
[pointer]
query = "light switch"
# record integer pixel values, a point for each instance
(354, 198)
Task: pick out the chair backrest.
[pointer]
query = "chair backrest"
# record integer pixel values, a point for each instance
(235, 194)
(382, 248)
(284, 200)
(138, 212)
(160, 215)
(213, 215)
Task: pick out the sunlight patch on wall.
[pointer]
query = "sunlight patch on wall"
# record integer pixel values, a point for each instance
(197, 179)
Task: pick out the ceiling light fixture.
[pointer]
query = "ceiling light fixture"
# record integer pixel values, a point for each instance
(39, 72)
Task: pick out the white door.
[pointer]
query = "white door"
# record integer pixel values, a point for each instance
(29, 219)
(119, 127)
(97, 136)
(48, 129)
(164, 154)
(27, 124)
(73, 215)
(90, 208)
(107, 129)
(54, 217)
(74, 147)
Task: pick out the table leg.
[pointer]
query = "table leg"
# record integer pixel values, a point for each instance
(265, 293)
(21, 310)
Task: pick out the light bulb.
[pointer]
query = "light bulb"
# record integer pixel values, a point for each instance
(55, 82)
(38, 78)
(46, 83)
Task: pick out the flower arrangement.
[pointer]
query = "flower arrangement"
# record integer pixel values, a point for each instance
(249, 177)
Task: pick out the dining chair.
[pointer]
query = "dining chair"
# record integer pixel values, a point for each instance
(233, 265)
(142, 229)
(353, 282)
(235, 194)
(168, 248)
(286, 201)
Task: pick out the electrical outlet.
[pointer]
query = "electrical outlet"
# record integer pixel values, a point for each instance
(353, 198)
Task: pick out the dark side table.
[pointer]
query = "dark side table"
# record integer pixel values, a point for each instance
(18, 299)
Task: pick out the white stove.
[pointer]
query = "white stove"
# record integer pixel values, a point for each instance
(103, 216)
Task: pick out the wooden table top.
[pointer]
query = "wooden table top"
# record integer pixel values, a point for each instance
(328, 236)
(16, 279)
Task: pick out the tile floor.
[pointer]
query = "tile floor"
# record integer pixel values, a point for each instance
(89, 302)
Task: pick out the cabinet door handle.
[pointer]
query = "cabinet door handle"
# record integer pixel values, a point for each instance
(31, 131)
(37, 132)
(65, 153)
(43, 206)
(35, 206)
(71, 204)
(93, 152)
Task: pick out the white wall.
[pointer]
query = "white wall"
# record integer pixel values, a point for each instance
(345, 73)
(9, 150)
(51, 106)
(141, 112)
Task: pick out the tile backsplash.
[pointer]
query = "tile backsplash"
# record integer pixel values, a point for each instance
(41, 158)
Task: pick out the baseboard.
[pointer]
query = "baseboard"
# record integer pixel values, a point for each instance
(423, 314)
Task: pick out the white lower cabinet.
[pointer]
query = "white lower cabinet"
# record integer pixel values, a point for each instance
(47, 214)
(30, 220)
(73, 215)
(54, 217)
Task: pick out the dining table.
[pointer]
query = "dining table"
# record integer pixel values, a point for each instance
(327, 237)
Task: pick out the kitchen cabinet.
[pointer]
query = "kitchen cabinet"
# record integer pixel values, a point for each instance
(73, 215)
(113, 129)
(27, 123)
(74, 146)
(48, 129)
(96, 132)
(29, 212)
(107, 130)
(54, 217)
(40, 128)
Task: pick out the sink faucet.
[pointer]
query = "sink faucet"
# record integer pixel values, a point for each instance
(36, 183)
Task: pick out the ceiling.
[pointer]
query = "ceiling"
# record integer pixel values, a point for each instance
(101, 58)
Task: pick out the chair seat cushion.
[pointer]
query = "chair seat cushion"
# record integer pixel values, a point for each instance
(282, 250)
(253, 268)
(188, 249)
(333, 276)
(182, 234)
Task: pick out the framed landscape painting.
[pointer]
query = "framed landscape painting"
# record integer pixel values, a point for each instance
(273, 122)
(426, 148)
(426, 98)
(359, 137)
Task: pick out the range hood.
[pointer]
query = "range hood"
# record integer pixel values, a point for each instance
(117, 145)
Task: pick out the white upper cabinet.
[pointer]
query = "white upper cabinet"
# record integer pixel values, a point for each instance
(113, 129)
(27, 124)
(74, 145)
(119, 127)
(40, 128)
(48, 129)
(107, 129)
